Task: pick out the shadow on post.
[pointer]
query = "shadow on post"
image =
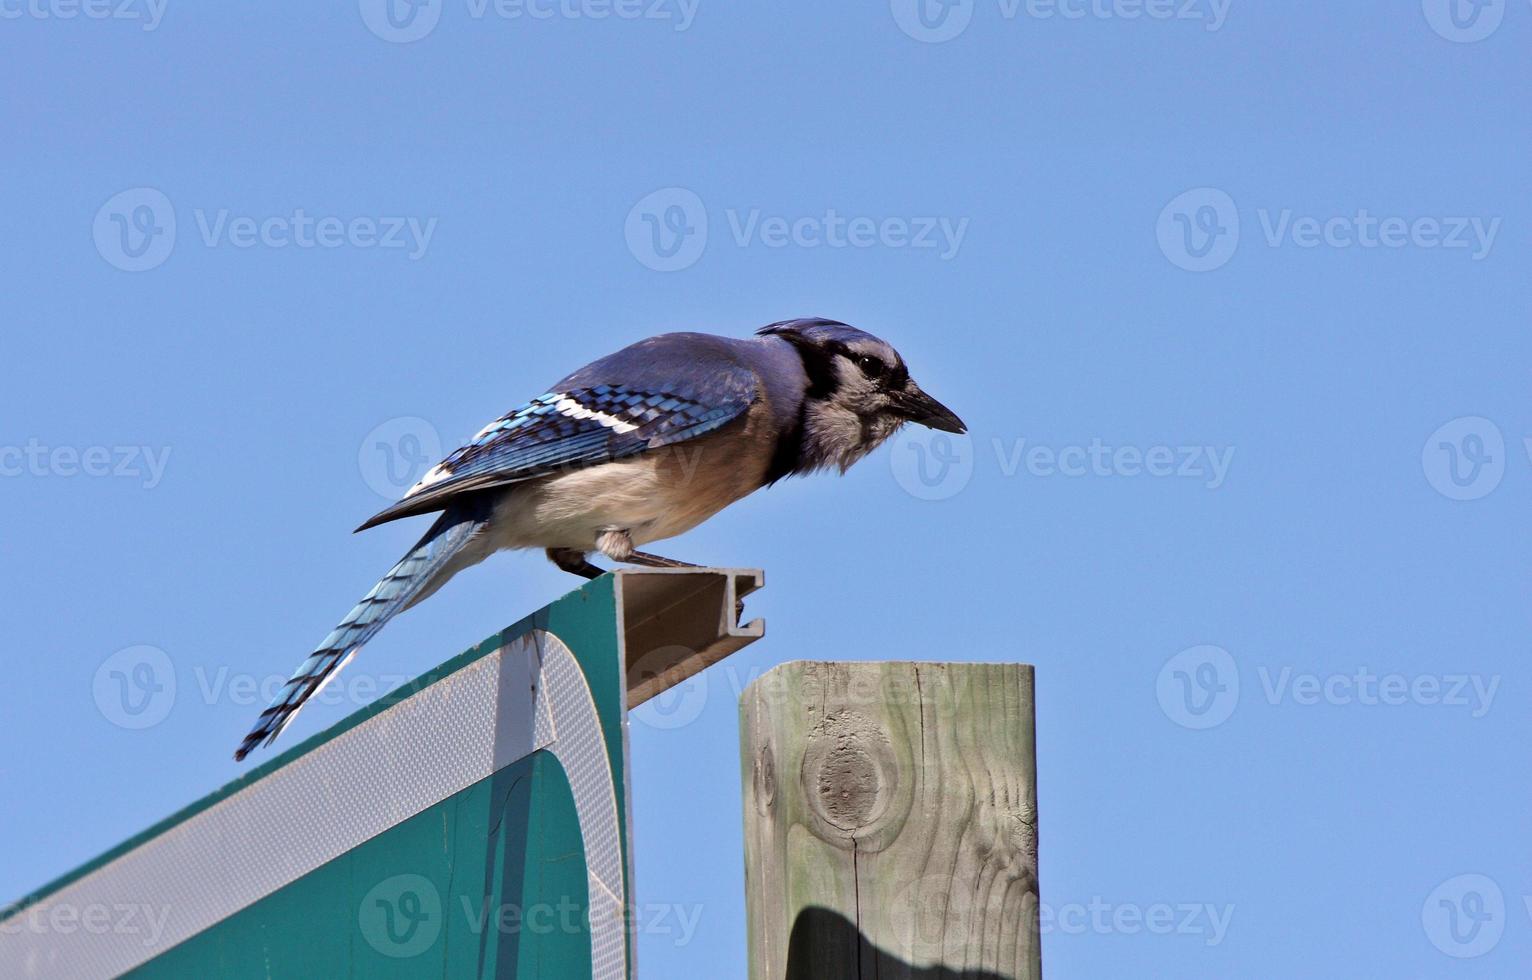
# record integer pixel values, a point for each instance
(826, 945)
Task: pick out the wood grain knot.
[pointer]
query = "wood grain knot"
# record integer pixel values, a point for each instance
(848, 787)
(764, 781)
(849, 775)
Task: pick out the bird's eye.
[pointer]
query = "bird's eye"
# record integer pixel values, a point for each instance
(871, 366)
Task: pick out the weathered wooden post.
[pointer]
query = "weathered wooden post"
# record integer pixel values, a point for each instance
(891, 821)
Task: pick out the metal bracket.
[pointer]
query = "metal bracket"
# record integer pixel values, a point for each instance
(675, 622)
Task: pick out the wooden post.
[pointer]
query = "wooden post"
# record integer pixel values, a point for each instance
(891, 821)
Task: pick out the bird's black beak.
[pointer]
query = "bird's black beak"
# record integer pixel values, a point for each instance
(922, 409)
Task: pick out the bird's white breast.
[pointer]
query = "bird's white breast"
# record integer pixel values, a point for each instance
(656, 495)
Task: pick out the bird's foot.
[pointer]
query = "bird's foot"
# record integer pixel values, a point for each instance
(657, 561)
(617, 545)
(573, 560)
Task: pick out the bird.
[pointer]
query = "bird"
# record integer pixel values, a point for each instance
(632, 448)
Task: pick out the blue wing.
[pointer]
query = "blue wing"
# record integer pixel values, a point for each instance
(573, 427)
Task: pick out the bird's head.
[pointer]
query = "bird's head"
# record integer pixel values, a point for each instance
(859, 393)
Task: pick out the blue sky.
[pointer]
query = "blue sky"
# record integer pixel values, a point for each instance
(1233, 296)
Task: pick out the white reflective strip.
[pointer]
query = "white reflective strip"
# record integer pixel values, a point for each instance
(436, 742)
(581, 748)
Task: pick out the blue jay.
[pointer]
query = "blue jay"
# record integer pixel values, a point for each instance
(635, 447)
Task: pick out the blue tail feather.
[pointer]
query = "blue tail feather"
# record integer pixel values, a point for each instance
(394, 592)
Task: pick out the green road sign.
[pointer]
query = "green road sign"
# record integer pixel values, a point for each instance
(473, 823)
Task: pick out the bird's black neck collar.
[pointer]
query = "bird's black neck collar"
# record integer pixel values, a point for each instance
(793, 453)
